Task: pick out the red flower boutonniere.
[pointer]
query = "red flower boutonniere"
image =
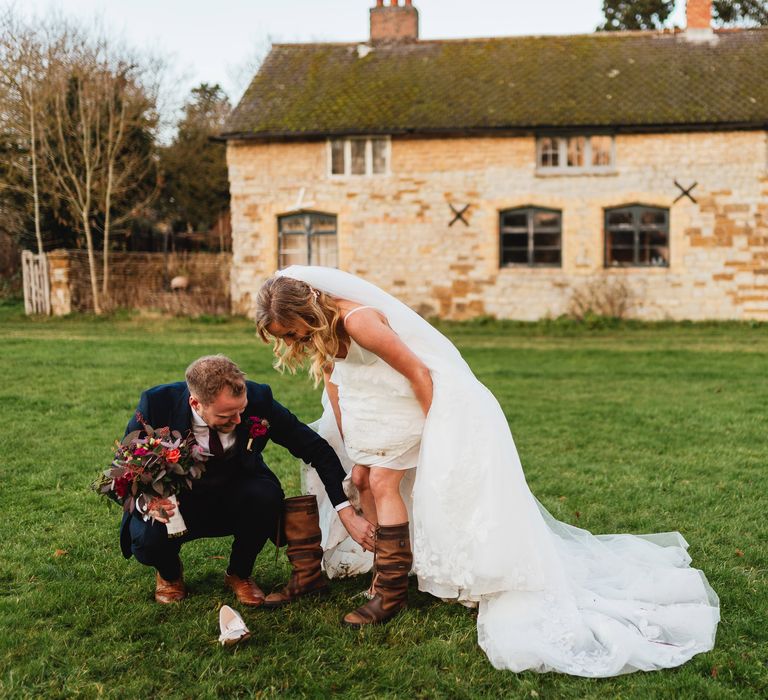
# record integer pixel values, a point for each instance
(259, 428)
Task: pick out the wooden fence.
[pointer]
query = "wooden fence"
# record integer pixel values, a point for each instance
(143, 281)
(37, 286)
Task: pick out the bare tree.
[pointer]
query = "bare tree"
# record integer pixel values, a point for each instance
(130, 105)
(74, 146)
(100, 147)
(23, 59)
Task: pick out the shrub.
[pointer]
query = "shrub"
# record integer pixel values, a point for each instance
(601, 297)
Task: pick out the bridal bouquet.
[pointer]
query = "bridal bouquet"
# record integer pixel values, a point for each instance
(153, 463)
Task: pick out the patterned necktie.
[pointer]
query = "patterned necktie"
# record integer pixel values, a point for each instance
(214, 443)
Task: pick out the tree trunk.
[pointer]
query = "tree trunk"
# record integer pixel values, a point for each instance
(35, 190)
(91, 264)
(107, 213)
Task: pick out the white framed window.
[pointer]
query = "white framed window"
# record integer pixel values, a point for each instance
(576, 153)
(359, 155)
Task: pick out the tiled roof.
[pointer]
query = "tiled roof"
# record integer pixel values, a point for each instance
(614, 80)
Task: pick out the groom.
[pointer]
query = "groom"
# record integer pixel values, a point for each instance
(233, 419)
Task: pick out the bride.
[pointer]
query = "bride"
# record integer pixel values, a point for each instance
(551, 597)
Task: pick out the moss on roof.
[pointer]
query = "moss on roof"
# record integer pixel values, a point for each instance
(638, 80)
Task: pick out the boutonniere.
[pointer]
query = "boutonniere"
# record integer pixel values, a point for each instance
(259, 428)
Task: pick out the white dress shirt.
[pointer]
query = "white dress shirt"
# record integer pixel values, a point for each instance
(200, 430)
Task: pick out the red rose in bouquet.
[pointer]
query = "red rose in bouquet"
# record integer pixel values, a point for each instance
(152, 463)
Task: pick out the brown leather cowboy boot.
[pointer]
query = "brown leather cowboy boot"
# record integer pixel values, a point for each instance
(393, 560)
(302, 534)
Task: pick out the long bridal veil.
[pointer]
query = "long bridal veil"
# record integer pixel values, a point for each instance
(551, 597)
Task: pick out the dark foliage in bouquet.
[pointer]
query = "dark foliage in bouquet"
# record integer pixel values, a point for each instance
(151, 463)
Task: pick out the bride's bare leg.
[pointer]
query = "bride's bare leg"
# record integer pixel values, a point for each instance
(361, 480)
(385, 487)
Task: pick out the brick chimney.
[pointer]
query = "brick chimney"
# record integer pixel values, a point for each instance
(395, 22)
(698, 14)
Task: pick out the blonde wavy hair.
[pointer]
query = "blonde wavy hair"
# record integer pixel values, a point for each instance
(287, 301)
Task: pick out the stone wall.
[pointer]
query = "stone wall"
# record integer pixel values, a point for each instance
(142, 281)
(394, 229)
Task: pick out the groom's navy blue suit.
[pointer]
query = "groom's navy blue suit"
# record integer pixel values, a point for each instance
(238, 494)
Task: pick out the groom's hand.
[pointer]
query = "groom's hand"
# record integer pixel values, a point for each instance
(161, 509)
(359, 529)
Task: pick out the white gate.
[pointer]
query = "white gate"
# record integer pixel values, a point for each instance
(37, 287)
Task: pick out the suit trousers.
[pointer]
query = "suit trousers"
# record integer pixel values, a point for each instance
(247, 506)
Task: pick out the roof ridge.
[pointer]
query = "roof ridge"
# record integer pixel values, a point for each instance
(671, 32)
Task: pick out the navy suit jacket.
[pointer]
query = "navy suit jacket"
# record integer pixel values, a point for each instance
(168, 405)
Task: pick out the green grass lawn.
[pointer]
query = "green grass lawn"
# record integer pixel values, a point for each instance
(632, 428)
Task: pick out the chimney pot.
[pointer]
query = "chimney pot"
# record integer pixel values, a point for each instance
(394, 22)
(698, 14)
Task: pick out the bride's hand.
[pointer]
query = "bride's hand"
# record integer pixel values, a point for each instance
(359, 529)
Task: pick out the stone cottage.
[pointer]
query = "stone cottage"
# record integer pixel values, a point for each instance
(504, 176)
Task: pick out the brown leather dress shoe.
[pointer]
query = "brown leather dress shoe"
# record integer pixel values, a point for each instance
(247, 592)
(169, 591)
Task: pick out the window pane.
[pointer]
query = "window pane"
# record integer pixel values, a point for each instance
(324, 250)
(379, 147)
(546, 240)
(515, 240)
(546, 257)
(576, 151)
(622, 238)
(321, 223)
(293, 224)
(515, 220)
(653, 216)
(653, 248)
(601, 150)
(653, 238)
(659, 256)
(550, 155)
(621, 256)
(511, 256)
(548, 219)
(293, 250)
(358, 156)
(620, 217)
(337, 157)
(621, 245)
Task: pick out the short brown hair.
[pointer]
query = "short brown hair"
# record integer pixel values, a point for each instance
(208, 376)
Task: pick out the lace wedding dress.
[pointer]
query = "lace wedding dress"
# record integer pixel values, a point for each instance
(551, 597)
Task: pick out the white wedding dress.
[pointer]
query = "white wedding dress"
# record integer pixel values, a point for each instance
(551, 597)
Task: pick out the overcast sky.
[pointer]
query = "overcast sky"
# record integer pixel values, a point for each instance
(215, 40)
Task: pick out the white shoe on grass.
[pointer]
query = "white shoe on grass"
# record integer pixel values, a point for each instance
(233, 627)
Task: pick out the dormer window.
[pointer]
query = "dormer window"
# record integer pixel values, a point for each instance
(574, 154)
(359, 155)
